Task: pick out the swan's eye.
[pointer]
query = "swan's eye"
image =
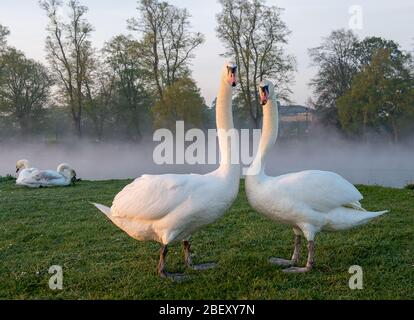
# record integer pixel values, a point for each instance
(265, 89)
(232, 75)
(231, 70)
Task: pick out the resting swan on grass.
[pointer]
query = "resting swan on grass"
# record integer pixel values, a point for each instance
(309, 201)
(170, 208)
(34, 178)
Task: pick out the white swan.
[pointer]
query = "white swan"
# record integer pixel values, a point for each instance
(23, 165)
(309, 201)
(34, 178)
(170, 208)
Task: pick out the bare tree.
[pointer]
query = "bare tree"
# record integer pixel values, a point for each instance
(100, 87)
(69, 53)
(254, 35)
(4, 32)
(167, 42)
(337, 64)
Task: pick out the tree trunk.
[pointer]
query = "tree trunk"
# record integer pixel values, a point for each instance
(395, 132)
(77, 126)
(364, 127)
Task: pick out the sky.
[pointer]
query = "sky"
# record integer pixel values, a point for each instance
(308, 20)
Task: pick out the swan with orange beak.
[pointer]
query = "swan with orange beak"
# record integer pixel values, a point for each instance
(309, 201)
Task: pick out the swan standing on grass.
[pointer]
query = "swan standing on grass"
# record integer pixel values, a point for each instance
(34, 178)
(309, 201)
(170, 208)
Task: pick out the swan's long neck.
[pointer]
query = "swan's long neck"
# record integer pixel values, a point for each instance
(269, 137)
(225, 127)
(63, 169)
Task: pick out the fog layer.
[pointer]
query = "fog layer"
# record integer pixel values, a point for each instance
(379, 164)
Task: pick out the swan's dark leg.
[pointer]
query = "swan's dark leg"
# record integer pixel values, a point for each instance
(187, 254)
(309, 265)
(295, 258)
(189, 262)
(161, 267)
(296, 253)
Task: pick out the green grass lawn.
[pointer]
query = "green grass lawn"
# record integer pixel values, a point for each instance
(41, 228)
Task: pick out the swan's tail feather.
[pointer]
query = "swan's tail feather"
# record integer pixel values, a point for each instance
(347, 218)
(356, 206)
(374, 215)
(365, 217)
(105, 210)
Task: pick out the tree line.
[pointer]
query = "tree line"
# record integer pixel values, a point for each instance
(141, 81)
(364, 87)
(134, 83)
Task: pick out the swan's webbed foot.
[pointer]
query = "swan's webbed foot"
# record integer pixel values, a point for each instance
(204, 267)
(298, 270)
(281, 262)
(310, 264)
(295, 259)
(175, 277)
(189, 262)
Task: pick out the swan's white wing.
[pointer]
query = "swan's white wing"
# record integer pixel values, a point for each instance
(153, 197)
(27, 172)
(36, 178)
(47, 176)
(320, 190)
(26, 175)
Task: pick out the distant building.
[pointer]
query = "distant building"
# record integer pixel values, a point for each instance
(295, 120)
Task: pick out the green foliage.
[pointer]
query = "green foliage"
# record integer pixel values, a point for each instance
(130, 100)
(363, 84)
(410, 186)
(365, 50)
(41, 228)
(7, 178)
(382, 96)
(24, 90)
(181, 102)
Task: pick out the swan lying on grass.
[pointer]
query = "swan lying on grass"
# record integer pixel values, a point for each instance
(170, 208)
(309, 201)
(35, 178)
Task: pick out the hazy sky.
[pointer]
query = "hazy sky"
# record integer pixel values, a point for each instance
(309, 21)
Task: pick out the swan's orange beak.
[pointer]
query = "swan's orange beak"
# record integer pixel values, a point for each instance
(232, 76)
(264, 95)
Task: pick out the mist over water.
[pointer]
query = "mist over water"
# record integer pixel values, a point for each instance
(376, 164)
(379, 164)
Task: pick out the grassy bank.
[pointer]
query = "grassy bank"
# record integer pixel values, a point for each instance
(41, 228)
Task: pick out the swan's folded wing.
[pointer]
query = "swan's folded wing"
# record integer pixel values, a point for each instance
(47, 176)
(153, 197)
(322, 191)
(26, 175)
